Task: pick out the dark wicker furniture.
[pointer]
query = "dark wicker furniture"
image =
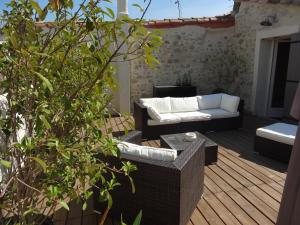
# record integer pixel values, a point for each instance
(166, 192)
(273, 149)
(153, 132)
(177, 142)
(174, 91)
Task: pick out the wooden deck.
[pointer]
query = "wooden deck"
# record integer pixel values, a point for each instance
(242, 188)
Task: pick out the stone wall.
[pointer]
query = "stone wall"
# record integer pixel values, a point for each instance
(186, 49)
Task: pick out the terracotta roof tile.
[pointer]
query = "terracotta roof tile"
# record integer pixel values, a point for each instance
(209, 22)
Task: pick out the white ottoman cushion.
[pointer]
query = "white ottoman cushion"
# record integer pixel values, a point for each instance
(280, 132)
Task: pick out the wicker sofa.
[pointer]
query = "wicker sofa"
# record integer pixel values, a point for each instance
(167, 192)
(157, 116)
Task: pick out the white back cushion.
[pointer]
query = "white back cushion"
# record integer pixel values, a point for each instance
(162, 105)
(230, 103)
(209, 101)
(148, 152)
(188, 104)
(153, 113)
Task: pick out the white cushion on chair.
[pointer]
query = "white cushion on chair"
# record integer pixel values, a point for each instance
(280, 132)
(187, 104)
(162, 105)
(230, 103)
(166, 118)
(209, 101)
(219, 113)
(147, 152)
(193, 116)
(153, 113)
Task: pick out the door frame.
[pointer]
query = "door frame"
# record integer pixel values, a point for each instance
(274, 112)
(262, 66)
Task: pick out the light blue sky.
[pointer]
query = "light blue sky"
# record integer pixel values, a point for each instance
(166, 9)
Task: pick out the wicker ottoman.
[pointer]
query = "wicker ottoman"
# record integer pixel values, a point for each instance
(276, 141)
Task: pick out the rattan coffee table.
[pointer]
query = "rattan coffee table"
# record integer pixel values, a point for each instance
(178, 142)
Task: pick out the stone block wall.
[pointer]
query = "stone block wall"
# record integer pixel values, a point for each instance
(185, 50)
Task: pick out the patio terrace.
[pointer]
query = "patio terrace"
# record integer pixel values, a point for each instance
(242, 188)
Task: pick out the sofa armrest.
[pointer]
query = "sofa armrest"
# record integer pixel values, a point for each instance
(140, 115)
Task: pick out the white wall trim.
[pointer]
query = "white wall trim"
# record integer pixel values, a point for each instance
(260, 37)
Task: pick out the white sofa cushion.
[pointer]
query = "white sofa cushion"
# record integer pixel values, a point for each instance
(147, 152)
(219, 113)
(166, 118)
(280, 132)
(209, 101)
(162, 105)
(230, 103)
(193, 116)
(187, 104)
(153, 113)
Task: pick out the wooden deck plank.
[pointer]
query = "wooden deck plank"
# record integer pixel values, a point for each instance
(209, 214)
(218, 180)
(197, 218)
(211, 185)
(245, 182)
(252, 165)
(235, 209)
(265, 197)
(221, 210)
(251, 210)
(229, 179)
(240, 170)
(259, 204)
(271, 191)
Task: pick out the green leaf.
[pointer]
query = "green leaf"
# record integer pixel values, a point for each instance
(46, 82)
(111, 13)
(65, 205)
(138, 6)
(40, 162)
(45, 121)
(132, 185)
(5, 163)
(37, 7)
(122, 223)
(138, 218)
(84, 206)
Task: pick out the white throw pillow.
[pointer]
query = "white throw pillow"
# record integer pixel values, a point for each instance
(230, 103)
(162, 105)
(188, 104)
(147, 152)
(153, 113)
(209, 101)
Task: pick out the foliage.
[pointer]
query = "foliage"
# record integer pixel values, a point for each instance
(227, 64)
(58, 78)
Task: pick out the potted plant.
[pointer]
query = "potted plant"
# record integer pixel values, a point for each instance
(55, 84)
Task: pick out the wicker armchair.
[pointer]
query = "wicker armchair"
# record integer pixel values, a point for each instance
(166, 192)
